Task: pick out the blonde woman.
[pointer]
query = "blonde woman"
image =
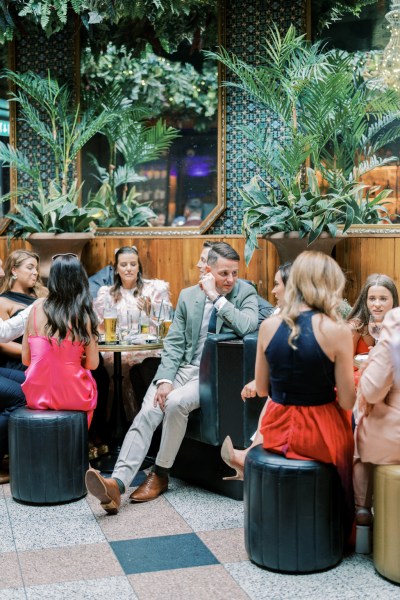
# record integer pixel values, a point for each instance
(305, 363)
(20, 287)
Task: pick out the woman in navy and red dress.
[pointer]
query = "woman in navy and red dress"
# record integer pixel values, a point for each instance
(304, 363)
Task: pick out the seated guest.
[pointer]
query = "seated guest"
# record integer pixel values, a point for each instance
(376, 298)
(130, 291)
(305, 355)
(20, 287)
(218, 303)
(11, 394)
(60, 343)
(378, 430)
(236, 458)
(142, 374)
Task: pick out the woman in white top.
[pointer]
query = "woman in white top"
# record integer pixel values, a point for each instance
(130, 291)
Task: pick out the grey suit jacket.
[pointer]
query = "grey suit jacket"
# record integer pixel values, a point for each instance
(239, 315)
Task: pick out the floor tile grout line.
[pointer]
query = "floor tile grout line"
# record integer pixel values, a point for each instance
(15, 545)
(233, 579)
(96, 519)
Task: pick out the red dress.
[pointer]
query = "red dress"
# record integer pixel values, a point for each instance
(303, 419)
(362, 348)
(55, 379)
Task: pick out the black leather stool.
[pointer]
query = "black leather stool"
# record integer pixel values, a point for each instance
(48, 455)
(293, 513)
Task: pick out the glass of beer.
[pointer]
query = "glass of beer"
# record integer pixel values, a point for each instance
(169, 313)
(110, 325)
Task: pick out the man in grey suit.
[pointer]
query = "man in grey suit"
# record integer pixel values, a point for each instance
(219, 303)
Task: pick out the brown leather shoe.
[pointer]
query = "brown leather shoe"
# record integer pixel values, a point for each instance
(150, 489)
(105, 490)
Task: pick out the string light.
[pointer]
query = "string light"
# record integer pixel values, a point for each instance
(391, 55)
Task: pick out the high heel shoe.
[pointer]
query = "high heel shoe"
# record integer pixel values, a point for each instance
(228, 455)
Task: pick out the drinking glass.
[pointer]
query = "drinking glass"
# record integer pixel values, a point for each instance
(122, 325)
(133, 320)
(168, 316)
(110, 325)
(374, 328)
(157, 316)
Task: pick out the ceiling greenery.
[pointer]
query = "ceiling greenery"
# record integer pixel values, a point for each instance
(325, 12)
(154, 16)
(145, 19)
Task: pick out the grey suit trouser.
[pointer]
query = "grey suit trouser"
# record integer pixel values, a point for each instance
(180, 402)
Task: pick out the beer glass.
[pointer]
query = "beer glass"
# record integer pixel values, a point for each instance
(110, 325)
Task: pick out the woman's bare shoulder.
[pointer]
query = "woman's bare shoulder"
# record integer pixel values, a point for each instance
(271, 323)
(335, 327)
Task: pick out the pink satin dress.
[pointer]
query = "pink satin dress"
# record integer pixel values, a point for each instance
(55, 379)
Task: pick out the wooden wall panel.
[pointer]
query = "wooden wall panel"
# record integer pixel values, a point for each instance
(360, 257)
(174, 259)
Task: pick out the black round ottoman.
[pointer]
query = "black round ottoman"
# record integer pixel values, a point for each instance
(48, 455)
(293, 513)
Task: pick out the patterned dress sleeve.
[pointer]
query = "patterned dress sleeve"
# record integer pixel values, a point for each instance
(157, 290)
(103, 296)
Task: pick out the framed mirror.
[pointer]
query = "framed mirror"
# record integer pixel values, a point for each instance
(185, 185)
(365, 37)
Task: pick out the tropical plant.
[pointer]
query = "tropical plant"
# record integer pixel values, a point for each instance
(331, 121)
(63, 128)
(131, 142)
(307, 210)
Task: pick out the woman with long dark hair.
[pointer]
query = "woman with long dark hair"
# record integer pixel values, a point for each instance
(377, 297)
(60, 342)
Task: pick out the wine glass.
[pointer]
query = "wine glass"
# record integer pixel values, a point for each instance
(374, 328)
(157, 316)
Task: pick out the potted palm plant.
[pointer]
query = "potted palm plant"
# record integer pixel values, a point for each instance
(334, 126)
(50, 209)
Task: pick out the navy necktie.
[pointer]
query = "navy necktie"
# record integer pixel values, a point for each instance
(212, 324)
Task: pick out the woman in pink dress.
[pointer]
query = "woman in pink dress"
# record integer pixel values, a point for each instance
(60, 343)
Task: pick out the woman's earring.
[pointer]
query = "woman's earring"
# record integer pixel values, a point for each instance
(14, 276)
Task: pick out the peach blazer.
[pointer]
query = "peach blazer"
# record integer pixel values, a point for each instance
(378, 433)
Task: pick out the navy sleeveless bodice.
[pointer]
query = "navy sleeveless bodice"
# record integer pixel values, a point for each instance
(301, 377)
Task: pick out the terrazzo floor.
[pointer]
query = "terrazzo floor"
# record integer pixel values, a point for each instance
(186, 544)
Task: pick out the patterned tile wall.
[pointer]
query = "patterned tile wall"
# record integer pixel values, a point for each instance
(246, 23)
(36, 52)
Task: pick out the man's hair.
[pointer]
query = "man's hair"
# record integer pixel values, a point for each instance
(208, 244)
(223, 250)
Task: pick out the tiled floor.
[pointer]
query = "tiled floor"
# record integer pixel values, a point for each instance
(186, 544)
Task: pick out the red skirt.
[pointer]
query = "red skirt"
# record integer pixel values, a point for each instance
(322, 433)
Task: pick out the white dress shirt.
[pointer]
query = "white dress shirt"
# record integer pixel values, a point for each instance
(14, 327)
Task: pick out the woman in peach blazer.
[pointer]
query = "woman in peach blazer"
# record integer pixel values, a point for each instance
(378, 431)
